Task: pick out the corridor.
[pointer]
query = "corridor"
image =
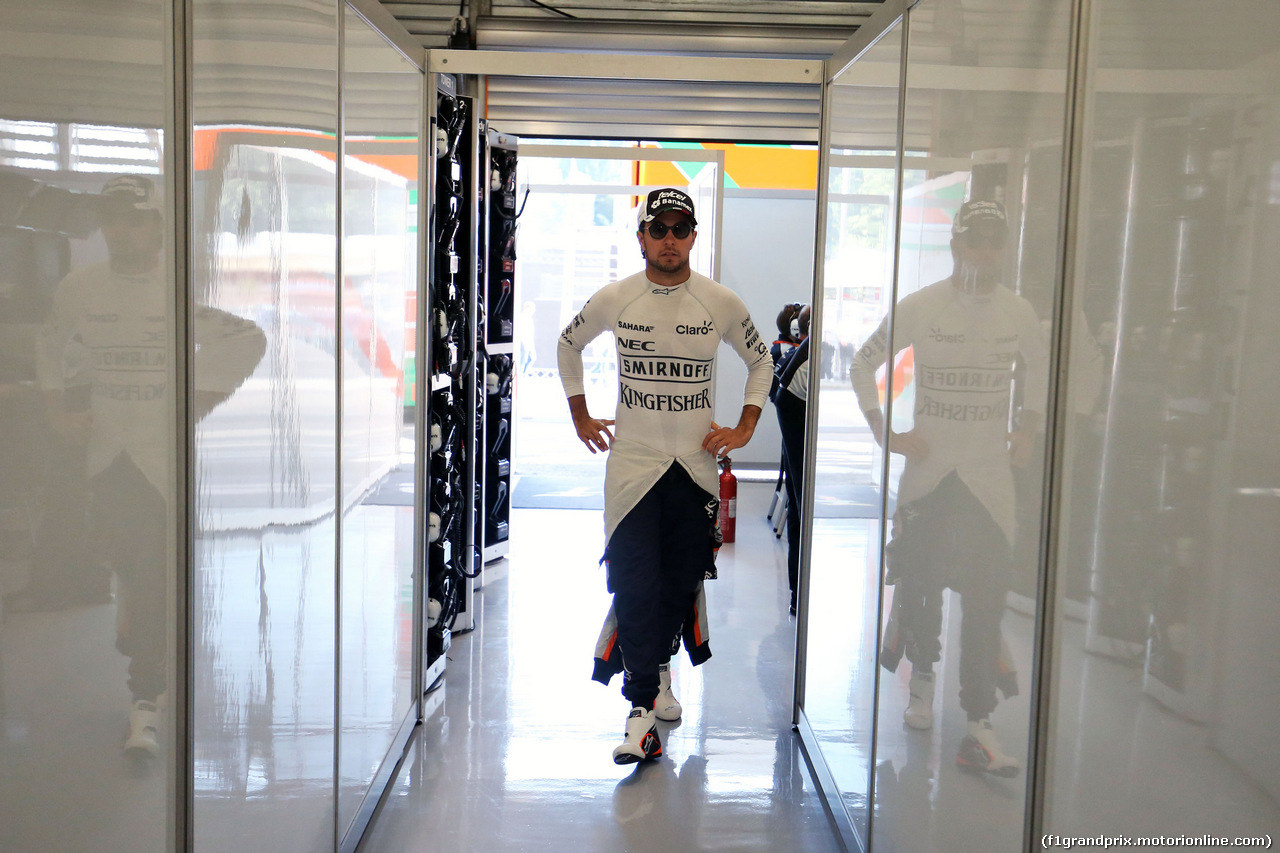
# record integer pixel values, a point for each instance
(514, 751)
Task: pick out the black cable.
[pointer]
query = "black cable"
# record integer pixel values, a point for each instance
(479, 565)
(514, 216)
(450, 603)
(551, 9)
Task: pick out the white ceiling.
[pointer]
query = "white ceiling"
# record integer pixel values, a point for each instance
(431, 21)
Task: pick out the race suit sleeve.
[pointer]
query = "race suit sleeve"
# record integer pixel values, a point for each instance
(1033, 350)
(585, 327)
(228, 349)
(869, 359)
(753, 351)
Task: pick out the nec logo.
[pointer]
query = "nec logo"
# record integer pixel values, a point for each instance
(632, 344)
(705, 329)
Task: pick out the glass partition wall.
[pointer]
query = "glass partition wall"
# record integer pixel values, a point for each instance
(91, 491)
(265, 232)
(1052, 621)
(382, 92)
(307, 161)
(207, 487)
(840, 616)
(1162, 701)
(976, 257)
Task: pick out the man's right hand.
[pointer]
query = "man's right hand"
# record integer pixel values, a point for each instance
(910, 445)
(592, 432)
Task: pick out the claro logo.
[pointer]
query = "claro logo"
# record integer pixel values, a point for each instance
(939, 336)
(705, 329)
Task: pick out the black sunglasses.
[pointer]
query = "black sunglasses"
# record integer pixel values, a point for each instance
(658, 230)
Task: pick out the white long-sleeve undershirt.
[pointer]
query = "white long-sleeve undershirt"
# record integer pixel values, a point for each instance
(666, 340)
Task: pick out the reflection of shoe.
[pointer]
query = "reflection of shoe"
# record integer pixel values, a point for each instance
(919, 713)
(142, 729)
(635, 797)
(641, 741)
(981, 751)
(667, 707)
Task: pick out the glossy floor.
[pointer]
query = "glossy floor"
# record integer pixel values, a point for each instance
(515, 750)
(514, 754)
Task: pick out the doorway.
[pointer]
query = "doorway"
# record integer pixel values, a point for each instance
(577, 234)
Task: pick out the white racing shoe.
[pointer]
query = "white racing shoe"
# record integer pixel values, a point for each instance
(641, 742)
(980, 751)
(142, 730)
(667, 707)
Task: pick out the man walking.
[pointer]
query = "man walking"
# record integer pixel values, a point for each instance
(660, 478)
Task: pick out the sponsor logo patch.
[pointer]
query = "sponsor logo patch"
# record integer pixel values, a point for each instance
(705, 329)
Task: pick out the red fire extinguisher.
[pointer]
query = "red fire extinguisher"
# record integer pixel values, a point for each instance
(728, 501)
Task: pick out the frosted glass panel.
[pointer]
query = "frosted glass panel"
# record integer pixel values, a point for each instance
(959, 370)
(844, 563)
(382, 102)
(264, 246)
(1168, 672)
(88, 430)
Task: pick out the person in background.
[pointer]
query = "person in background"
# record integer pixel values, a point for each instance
(791, 400)
(787, 321)
(661, 478)
(846, 351)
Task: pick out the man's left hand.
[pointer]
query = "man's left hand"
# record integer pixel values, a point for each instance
(720, 440)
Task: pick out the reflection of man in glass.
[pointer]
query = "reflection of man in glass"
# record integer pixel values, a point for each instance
(115, 314)
(954, 526)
